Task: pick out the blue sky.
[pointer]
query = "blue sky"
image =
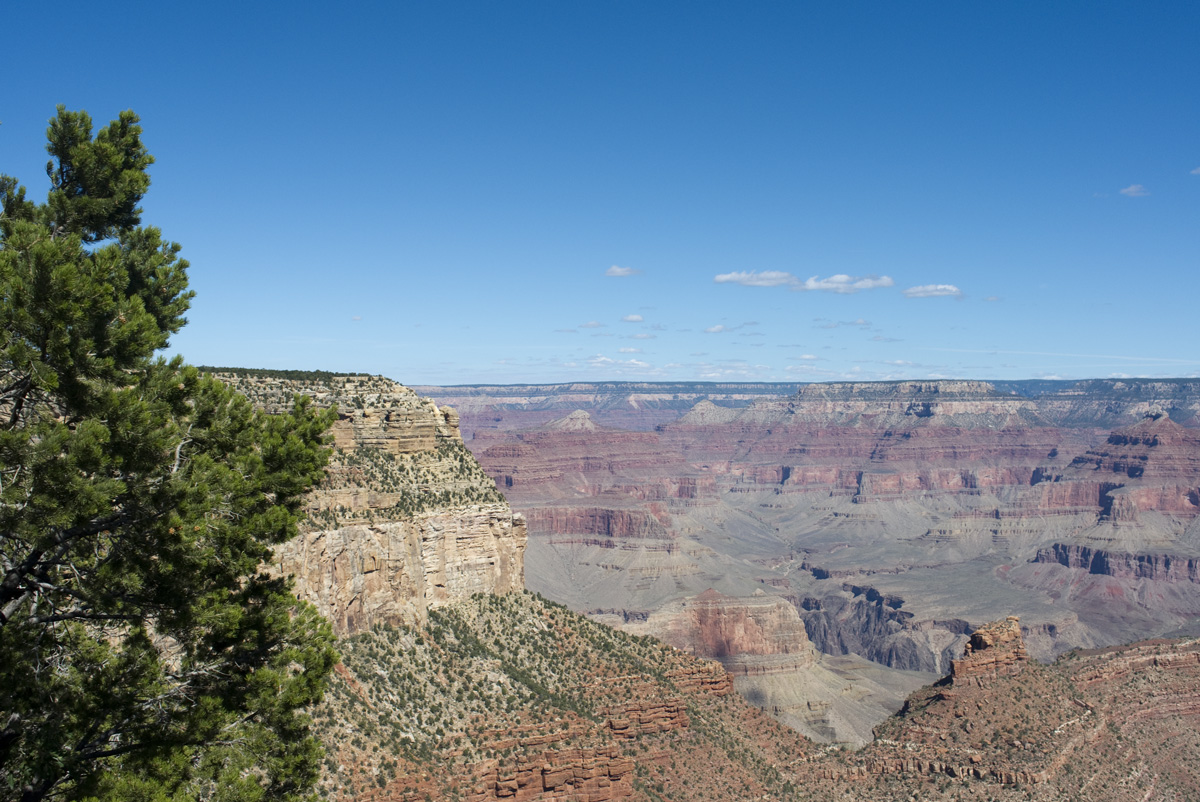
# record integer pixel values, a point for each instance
(449, 193)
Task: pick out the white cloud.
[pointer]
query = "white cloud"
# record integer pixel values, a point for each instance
(357, 317)
(715, 329)
(841, 283)
(1196, 171)
(618, 365)
(756, 278)
(621, 272)
(632, 318)
(809, 357)
(729, 369)
(992, 298)
(591, 324)
(826, 323)
(933, 291)
(629, 350)
(1135, 191)
(642, 336)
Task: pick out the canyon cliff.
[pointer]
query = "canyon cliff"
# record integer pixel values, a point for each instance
(405, 521)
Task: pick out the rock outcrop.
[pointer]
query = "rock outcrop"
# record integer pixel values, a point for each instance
(406, 521)
(761, 642)
(737, 630)
(597, 774)
(994, 650)
(1153, 465)
(598, 522)
(1157, 567)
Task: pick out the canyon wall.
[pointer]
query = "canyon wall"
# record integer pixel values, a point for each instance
(955, 500)
(405, 520)
(395, 571)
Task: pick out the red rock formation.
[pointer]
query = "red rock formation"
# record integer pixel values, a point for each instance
(565, 448)
(995, 650)
(642, 717)
(593, 774)
(598, 773)
(719, 626)
(1156, 448)
(1160, 567)
(708, 678)
(1153, 465)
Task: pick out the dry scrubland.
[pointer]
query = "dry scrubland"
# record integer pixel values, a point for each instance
(514, 697)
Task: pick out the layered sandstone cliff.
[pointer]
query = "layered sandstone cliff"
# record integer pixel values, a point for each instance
(1153, 465)
(405, 521)
(736, 631)
(395, 571)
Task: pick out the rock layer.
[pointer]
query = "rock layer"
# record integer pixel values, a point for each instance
(406, 521)
(394, 572)
(597, 774)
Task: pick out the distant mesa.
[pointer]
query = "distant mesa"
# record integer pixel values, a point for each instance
(902, 389)
(577, 421)
(706, 413)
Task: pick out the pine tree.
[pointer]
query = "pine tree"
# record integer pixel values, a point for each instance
(146, 652)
